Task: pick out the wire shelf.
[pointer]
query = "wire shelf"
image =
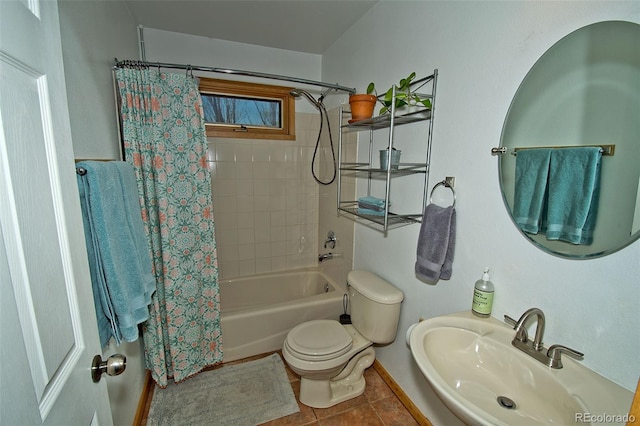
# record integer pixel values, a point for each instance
(377, 222)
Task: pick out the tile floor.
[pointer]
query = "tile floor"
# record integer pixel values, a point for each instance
(378, 406)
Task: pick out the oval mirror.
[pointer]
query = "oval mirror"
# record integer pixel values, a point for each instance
(584, 91)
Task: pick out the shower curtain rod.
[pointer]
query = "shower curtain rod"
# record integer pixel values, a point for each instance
(120, 64)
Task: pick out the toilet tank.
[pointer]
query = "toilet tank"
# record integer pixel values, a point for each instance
(375, 306)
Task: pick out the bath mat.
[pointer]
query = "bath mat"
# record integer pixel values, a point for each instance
(248, 393)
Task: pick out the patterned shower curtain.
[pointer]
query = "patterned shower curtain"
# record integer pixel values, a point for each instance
(164, 140)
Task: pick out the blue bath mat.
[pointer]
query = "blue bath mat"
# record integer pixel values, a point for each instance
(248, 393)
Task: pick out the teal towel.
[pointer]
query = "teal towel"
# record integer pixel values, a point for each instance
(119, 257)
(371, 206)
(371, 203)
(532, 172)
(370, 212)
(574, 192)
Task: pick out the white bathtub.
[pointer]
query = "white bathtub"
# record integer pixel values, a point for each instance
(258, 311)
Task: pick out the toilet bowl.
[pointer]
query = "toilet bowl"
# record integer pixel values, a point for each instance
(328, 374)
(331, 357)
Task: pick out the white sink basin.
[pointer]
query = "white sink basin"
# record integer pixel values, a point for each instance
(472, 366)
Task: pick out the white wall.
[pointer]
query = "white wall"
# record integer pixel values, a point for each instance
(171, 47)
(483, 50)
(93, 33)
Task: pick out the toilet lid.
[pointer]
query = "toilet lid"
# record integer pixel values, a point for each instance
(319, 340)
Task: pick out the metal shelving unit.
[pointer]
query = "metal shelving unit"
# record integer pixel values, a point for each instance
(367, 170)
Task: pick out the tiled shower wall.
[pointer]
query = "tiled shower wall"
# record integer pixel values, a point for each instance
(265, 202)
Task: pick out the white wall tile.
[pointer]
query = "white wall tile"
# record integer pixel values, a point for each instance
(261, 187)
(244, 170)
(245, 220)
(244, 187)
(246, 236)
(244, 153)
(261, 152)
(225, 152)
(266, 202)
(244, 203)
(246, 252)
(225, 170)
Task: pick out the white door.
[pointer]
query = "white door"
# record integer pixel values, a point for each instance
(48, 331)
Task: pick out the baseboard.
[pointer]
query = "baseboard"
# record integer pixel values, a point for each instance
(145, 400)
(402, 396)
(634, 412)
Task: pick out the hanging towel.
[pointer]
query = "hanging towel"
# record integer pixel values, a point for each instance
(436, 243)
(119, 258)
(532, 173)
(574, 192)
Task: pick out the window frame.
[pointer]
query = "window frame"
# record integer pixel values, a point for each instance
(252, 90)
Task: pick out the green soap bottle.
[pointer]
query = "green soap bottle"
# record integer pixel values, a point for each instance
(483, 296)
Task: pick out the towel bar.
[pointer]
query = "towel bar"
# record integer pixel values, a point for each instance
(447, 183)
(81, 170)
(607, 150)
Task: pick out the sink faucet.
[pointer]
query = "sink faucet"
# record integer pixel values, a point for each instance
(521, 331)
(551, 357)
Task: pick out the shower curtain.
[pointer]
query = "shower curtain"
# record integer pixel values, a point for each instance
(164, 139)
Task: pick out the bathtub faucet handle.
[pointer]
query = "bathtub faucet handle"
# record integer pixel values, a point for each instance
(330, 242)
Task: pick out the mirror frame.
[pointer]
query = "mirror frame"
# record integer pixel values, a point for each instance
(506, 148)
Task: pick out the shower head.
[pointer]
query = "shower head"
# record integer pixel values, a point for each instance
(301, 92)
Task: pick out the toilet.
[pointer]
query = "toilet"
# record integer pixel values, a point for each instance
(331, 357)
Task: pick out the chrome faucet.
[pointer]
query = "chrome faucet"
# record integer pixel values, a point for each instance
(521, 331)
(550, 357)
(325, 256)
(331, 240)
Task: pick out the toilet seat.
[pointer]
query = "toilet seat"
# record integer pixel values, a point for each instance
(319, 340)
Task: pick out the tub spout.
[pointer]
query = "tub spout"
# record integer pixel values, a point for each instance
(327, 256)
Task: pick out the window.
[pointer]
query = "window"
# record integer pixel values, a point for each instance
(234, 109)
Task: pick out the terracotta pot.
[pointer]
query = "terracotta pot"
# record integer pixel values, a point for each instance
(362, 106)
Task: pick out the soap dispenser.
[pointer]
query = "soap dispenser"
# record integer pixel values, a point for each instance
(483, 296)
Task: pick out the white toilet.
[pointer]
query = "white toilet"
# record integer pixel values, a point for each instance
(331, 357)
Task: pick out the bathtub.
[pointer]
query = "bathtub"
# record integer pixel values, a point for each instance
(258, 311)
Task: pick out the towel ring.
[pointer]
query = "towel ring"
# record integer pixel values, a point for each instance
(446, 185)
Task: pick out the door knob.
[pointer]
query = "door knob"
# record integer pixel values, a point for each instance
(113, 366)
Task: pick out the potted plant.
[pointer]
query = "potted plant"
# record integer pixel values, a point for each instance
(362, 105)
(406, 97)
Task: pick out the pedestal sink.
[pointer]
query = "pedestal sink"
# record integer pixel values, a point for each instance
(472, 366)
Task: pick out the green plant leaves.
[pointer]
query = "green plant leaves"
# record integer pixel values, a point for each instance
(404, 96)
(371, 88)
